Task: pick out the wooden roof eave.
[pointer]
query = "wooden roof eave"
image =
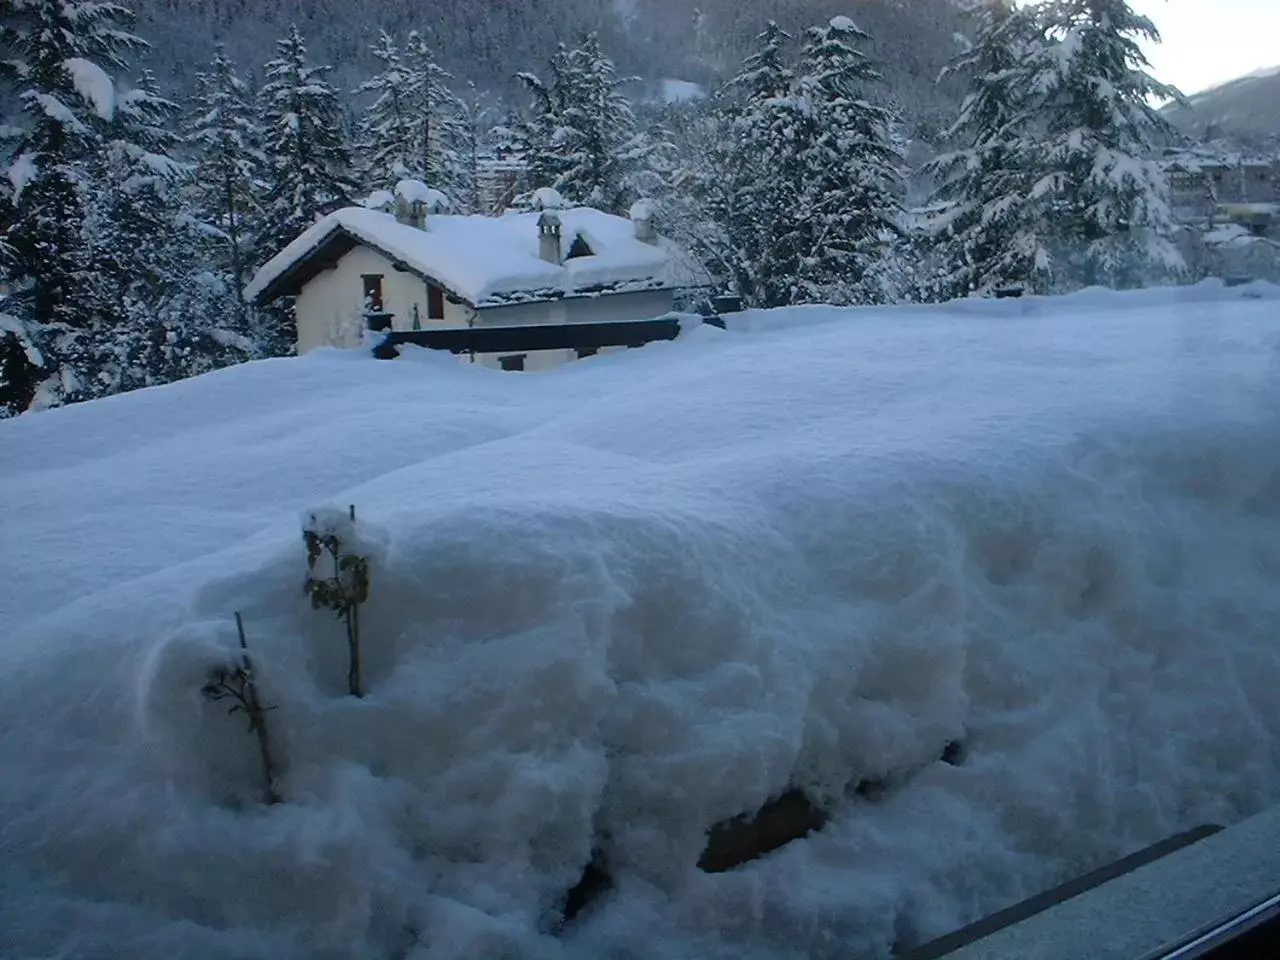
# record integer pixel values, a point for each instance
(323, 256)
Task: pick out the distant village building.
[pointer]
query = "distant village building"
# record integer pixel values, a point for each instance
(1229, 205)
(1215, 187)
(400, 262)
(499, 180)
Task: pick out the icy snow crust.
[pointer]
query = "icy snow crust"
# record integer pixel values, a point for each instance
(615, 603)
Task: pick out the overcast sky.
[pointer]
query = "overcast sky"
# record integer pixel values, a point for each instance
(1207, 42)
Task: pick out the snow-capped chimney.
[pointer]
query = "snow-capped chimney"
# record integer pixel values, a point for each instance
(642, 214)
(549, 238)
(415, 200)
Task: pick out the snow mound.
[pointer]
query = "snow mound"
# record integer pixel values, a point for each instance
(843, 24)
(616, 603)
(549, 198)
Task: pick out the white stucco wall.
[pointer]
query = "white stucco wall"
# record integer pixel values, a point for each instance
(330, 309)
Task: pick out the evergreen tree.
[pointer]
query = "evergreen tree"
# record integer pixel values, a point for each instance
(475, 128)
(992, 228)
(134, 207)
(1093, 95)
(150, 276)
(582, 138)
(308, 163)
(229, 167)
(851, 172)
(415, 126)
(56, 54)
(753, 184)
(388, 135)
(534, 136)
(439, 140)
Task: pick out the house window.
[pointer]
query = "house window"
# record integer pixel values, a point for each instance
(584, 352)
(435, 302)
(579, 248)
(513, 362)
(372, 292)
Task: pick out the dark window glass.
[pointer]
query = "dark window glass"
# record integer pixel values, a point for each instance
(373, 292)
(435, 302)
(513, 362)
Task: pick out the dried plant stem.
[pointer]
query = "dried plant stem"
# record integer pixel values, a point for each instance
(343, 593)
(257, 720)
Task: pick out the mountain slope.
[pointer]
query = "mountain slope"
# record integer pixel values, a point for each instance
(1245, 110)
(487, 43)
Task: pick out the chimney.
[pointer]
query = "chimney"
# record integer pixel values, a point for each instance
(642, 219)
(549, 238)
(413, 198)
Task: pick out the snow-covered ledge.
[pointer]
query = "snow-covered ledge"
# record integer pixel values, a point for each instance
(1154, 909)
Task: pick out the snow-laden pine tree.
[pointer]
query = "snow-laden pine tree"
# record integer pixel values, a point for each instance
(1092, 97)
(581, 138)
(991, 229)
(229, 169)
(753, 184)
(414, 125)
(386, 136)
(305, 143)
(133, 213)
(852, 181)
(57, 54)
(533, 135)
(439, 139)
(475, 133)
(161, 315)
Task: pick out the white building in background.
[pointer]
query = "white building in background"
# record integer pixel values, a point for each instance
(402, 263)
(1220, 186)
(499, 180)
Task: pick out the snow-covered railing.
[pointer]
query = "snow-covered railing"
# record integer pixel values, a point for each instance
(533, 337)
(1209, 894)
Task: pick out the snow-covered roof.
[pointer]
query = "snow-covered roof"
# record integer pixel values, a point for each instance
(486, 261)
(1195, 160)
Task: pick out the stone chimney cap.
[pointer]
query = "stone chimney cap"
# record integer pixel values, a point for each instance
(416, 192)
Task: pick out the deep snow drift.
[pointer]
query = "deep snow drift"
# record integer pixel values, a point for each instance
(615, 603)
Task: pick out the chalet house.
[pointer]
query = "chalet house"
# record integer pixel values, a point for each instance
(401, 263)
